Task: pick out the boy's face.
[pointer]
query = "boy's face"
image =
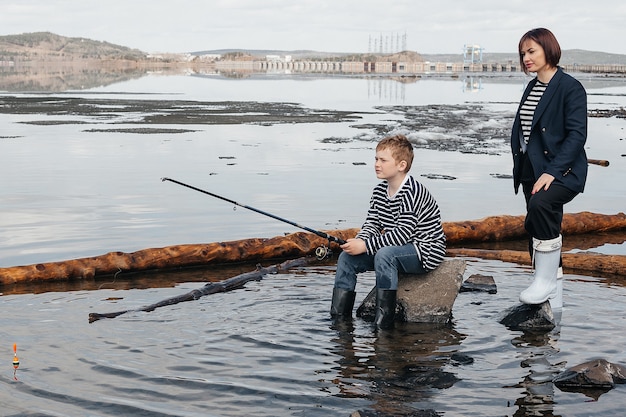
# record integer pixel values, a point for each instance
(387, 167)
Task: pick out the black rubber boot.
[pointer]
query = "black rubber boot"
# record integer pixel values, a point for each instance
(342, 304)
(385, 308)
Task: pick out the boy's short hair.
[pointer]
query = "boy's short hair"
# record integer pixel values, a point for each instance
(400, 147)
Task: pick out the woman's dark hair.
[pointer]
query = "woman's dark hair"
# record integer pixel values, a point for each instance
(547, 41)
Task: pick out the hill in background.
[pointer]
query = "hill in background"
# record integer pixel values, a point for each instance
(44, 61)
(49, 47)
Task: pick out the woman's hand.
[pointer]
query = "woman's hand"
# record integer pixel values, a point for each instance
(354, 247)
(543, 182)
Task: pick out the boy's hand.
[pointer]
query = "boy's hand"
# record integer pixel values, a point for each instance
(354, 247)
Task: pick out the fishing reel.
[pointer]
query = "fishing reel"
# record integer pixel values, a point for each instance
(323, 252)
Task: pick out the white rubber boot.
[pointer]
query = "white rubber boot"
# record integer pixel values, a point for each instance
(547, 256)
(556, 303)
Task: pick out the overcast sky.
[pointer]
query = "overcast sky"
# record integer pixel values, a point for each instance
(442, 26)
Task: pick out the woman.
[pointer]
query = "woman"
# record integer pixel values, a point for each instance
(549, 160)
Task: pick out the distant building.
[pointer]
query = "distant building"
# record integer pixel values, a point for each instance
(210, 57)
(278, 58)
(472, 54)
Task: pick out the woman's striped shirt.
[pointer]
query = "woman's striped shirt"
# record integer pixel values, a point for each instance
(410, 216)
(527, 111)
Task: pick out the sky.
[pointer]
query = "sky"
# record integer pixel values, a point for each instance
(427, 27)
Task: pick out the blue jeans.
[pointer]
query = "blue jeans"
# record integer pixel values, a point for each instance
(386, 263)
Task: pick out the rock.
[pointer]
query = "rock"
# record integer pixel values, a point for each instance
(412, 376)
(478, 282)
(595, 374)
(417, 413)
(531, 318)
(423, 298)
(457, 359)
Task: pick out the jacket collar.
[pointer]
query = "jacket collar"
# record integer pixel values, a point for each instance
(547, 95)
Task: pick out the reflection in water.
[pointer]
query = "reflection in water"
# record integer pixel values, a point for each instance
(132, 280)
(472, 84)
(536, 351)
(394, 368)
(388, 89)
(59, 79)
(583, 242)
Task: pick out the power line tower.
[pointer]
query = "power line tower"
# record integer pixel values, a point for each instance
(391, 43)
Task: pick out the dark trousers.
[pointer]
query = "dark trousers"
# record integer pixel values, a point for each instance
(544, 210)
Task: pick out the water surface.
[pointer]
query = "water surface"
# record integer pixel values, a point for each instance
(76, 185)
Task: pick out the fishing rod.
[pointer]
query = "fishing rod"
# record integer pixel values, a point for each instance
(321, 252)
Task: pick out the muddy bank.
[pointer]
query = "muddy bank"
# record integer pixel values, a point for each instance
(465, 128)
(167, 112)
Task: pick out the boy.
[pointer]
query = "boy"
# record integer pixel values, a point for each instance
(402, 232)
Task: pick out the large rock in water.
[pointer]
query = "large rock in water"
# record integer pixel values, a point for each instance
(530, 318)
(423, 298)
(595, 374)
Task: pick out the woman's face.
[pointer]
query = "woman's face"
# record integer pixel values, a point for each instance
(534, 56)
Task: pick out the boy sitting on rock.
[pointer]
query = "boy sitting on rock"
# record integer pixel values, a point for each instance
(402, 232)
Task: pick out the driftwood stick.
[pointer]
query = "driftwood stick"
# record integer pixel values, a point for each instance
(601, 162)
(586, 262)
(229, 284)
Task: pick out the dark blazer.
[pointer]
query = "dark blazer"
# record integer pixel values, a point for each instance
(558, 133)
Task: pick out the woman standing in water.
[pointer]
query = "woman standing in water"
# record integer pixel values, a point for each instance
(549, 160)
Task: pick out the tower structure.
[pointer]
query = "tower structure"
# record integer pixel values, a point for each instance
(384, 44)
(472, 54)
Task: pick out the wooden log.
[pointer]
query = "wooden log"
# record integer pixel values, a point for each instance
(499, 228)
(585, 262)
(211, 288)
(177, 256)
(601, 162)
(489, 229)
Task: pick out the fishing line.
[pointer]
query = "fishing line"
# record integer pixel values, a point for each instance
(321, 252)
(119, 271)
